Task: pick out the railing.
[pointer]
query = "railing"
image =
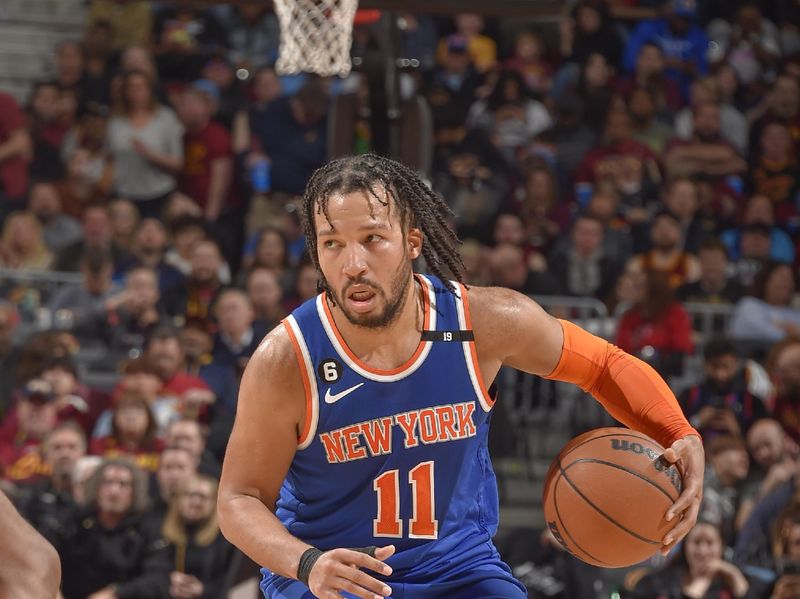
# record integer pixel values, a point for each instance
(30, 291)
(56, 277)
(537, 409)
(709, 319)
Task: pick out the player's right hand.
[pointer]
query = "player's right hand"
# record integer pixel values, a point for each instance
(339, 570)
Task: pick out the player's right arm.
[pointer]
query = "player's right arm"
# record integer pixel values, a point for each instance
(29, 566)
(270, 413)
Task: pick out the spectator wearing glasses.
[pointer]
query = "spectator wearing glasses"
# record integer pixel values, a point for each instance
(111, 550)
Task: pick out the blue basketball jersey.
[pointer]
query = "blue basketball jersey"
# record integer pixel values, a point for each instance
(394, 456)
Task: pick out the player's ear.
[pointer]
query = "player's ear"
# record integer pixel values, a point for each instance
(414, 241)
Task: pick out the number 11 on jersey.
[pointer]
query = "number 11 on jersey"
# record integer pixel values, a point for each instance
(422, 525)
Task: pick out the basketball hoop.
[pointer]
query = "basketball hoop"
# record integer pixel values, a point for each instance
(316, 36)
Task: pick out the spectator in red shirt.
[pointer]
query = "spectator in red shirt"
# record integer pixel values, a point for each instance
(777, 173)
(35, 416)
(621, 162)
(207, 175)
(657, 328)
(16, 149)
(133, 430)
(207, 171)
(165, 351)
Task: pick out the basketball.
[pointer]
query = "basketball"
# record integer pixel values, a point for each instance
(606, 496)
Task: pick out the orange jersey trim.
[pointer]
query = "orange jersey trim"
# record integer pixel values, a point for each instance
(303, 437)
(473, 352)
(394, 371)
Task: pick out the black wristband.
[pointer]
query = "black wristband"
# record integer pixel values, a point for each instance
(307, 561)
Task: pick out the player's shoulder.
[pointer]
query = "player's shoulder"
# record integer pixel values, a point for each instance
(493, 301)
(272, 385)
(496, 308)
(514, 329)
(276, 357)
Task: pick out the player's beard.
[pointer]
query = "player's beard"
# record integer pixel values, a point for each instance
(391, 305)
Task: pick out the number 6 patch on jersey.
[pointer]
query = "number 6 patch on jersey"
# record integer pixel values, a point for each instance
(330, 370)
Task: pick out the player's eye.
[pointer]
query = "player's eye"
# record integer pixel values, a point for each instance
(330, 244)
(372, 238)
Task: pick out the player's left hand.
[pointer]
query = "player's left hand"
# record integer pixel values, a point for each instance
(688, 455)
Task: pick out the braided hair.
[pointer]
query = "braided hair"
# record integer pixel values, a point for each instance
(417, 205)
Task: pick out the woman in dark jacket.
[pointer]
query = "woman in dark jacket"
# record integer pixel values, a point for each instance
(698, 572)
(201, 556)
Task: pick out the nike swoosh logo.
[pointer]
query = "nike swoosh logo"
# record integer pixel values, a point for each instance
(334, 398)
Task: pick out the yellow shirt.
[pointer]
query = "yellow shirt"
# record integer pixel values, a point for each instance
(131, 22)
(482, 51)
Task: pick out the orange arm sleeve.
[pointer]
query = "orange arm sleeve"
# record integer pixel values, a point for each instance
(630, 390)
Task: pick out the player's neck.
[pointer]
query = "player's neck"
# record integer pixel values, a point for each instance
(390, 346)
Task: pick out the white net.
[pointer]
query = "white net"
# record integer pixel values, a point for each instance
(315, 36)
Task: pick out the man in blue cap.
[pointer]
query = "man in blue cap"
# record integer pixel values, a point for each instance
(682, 40)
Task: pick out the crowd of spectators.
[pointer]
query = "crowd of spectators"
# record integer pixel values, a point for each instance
(644, 153)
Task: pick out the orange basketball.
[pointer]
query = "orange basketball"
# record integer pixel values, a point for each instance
(606, 496)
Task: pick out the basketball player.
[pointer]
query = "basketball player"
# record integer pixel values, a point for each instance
(29, 566)
(362, 420)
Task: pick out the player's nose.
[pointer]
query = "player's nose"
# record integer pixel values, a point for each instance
(355, 263)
